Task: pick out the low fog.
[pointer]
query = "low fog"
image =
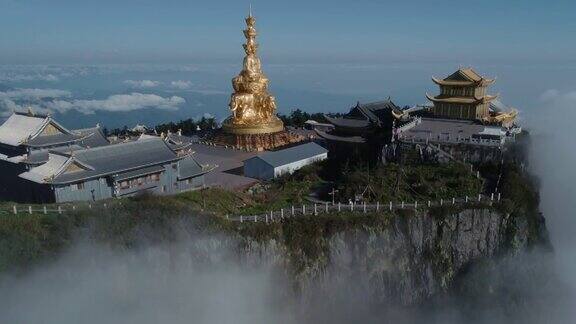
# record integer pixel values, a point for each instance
(92, 283)
(153, 284)
(553, 160)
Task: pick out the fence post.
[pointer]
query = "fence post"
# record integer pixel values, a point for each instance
(364, 207)
(498, 196)
(416, 204)
(271, 216)
(390, 205)
(303, 209)
(492, 197)
(377, 206)
(315, 210)
(282, 213)
(255, 218)
(266, 216)
(45, 211)
(479, 197)
(15, 210)
(478, 174)
(352, 206)
(326, 208)
(292, 210)
(30, 210)
(441, 201)
(241, 219)
(402, 206)
(429, 203)
(453, 201)
(339, 205)
(466, 199)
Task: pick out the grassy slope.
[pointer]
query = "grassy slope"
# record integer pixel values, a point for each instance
(416, 182)
(25, 238)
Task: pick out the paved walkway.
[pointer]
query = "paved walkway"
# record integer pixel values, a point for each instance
(229, 162)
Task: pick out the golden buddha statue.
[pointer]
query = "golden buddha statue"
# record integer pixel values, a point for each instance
(253, 108)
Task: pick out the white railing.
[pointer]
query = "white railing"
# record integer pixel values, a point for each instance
(409, 125)
(458, 140)
(325, 208)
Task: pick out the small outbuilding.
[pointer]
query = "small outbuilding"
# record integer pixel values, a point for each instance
(270, 165)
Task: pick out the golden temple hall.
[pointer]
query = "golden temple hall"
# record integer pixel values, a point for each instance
(463, 95)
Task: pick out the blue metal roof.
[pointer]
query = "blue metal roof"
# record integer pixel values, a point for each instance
(292, 154)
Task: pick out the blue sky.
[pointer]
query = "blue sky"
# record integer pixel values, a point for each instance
(127, 31)
(142, 61)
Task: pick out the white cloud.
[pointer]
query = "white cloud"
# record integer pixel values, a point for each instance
(34, 94)
(558, 104)
(51, 100)
(549, 95)
(117, 103)
(9, 77)
(181, 84)
(142, 83)
(20, 99)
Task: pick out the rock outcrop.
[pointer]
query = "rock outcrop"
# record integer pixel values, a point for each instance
(403, 259)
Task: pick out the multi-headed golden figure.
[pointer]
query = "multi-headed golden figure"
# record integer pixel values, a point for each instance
(253, 108)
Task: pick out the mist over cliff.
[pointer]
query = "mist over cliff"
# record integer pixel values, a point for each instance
(553, 159)
(203, 279)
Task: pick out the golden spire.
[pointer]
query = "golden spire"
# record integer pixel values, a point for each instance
(253, 108)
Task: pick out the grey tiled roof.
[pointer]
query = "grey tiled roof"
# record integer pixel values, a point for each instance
(26, 129)
(348, 122)
(92, 137)
(18, 127)
(178, 142)
(109, 160)
(51, 140)
(139, 172)
(348, 139)
(292, 154)
(189, 167)
(41, 156)
(362, 115)
(377, 111)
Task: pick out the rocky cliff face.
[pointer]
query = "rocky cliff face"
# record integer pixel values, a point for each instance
(401, 259)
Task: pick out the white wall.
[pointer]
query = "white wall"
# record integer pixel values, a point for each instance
(290, 168)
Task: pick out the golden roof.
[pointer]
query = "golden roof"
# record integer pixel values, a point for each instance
(503, 117)
(483, 82)
(464, 77)
(464, 100)
(470, 74)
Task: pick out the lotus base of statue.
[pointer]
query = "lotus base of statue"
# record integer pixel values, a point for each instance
(273, 125)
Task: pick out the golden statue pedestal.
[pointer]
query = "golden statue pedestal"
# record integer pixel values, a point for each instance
(255, 142)
(274, 125)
